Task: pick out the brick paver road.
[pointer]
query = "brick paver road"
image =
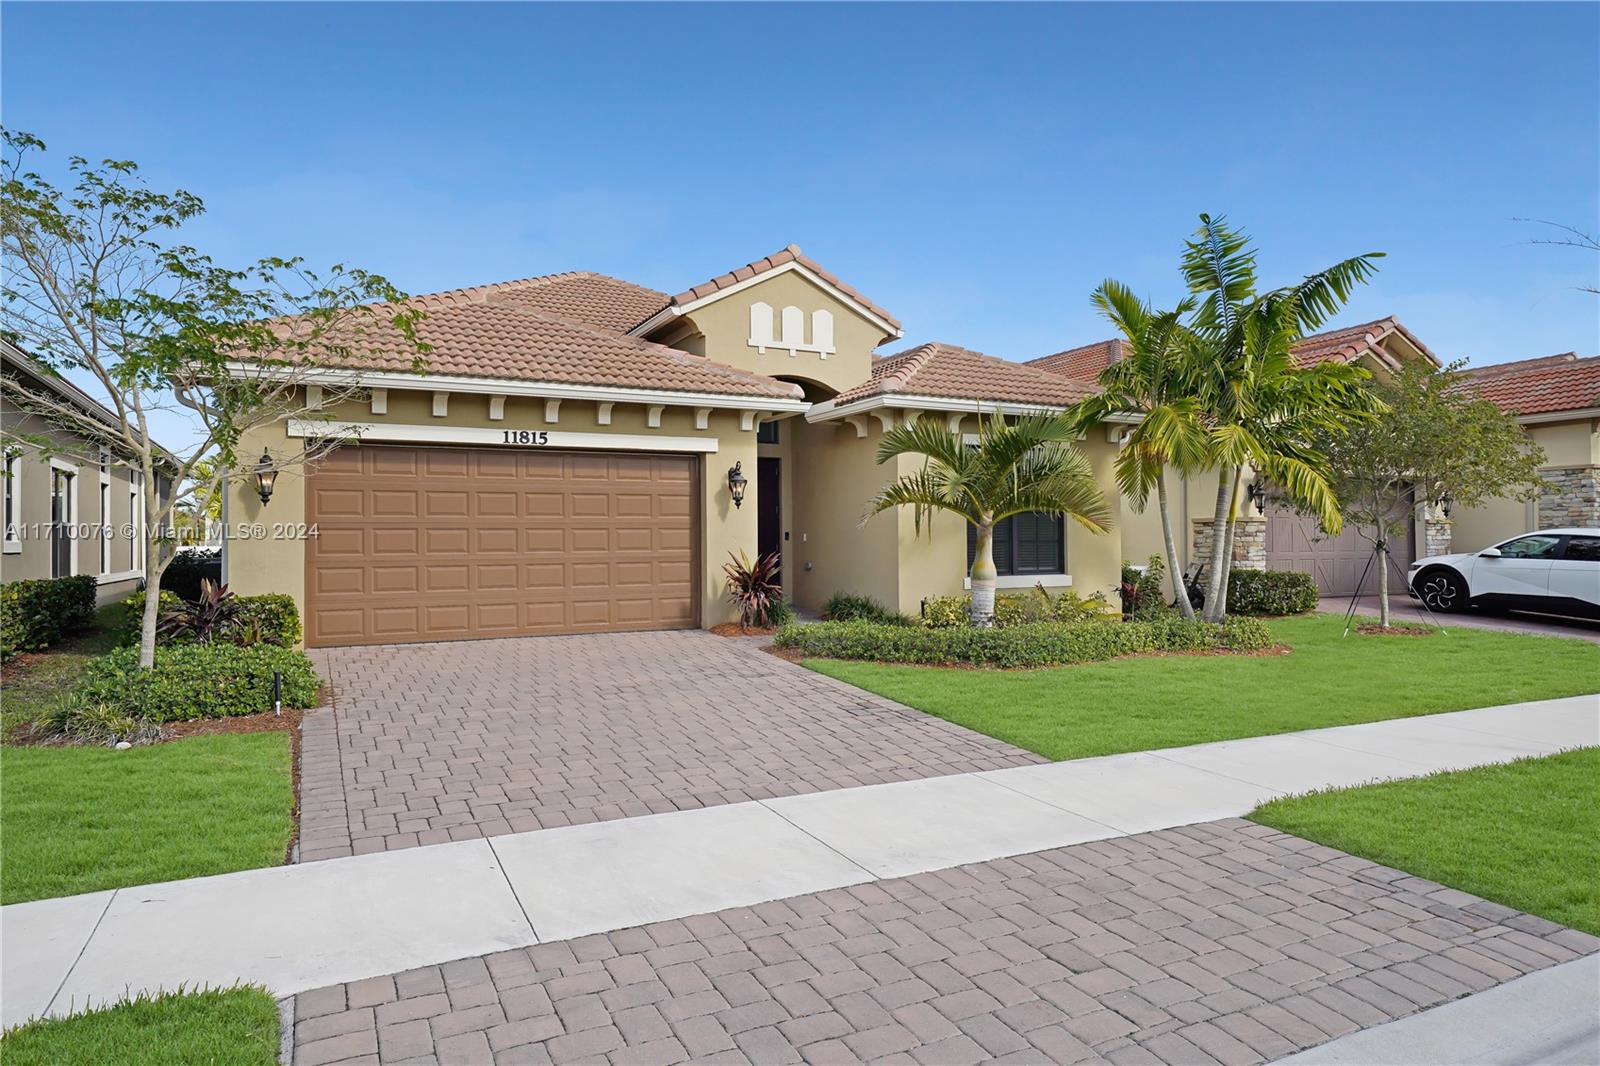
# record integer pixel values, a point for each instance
(1224, 942)
(436, 742)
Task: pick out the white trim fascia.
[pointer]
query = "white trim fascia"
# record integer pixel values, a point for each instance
(671, 311)
(1026, 581)
(823, 411)
(561, 440)
(120, 575)
(550, 390)
(1559, 416)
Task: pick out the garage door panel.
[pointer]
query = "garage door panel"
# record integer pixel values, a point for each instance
(1337, 564)
(423, 544)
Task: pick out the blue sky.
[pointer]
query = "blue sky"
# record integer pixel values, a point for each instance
(975, 169)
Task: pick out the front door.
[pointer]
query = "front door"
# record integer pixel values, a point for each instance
(769, 508)
(61, 517)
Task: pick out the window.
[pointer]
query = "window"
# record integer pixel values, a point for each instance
(13, 493)
(105, 526)
(63, 516)
(1030, 543)
(1534, 547)
(767, 433)
(1584, 549)
(133, 529)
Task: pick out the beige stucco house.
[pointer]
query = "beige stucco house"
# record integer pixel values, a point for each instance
(565, 464)
(73, 507)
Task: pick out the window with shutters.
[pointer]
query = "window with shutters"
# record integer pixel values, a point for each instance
(1028, 543)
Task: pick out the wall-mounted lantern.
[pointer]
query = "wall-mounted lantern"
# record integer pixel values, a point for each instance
(1446, 503)
(265, 477)
(1258, 495)
(736, 483)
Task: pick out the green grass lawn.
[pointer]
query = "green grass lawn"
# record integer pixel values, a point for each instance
(1139, 703)
(235, 1027)
(31, 692)
(78, 819)
(1524, 834)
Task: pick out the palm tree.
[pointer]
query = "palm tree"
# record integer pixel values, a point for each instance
(1262, 408)
(1027, 464)
(1154, 382)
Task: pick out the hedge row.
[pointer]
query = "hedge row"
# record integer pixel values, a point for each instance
(198, 681)
(1271, 592)
(1019, 609)
(37, 613)
(1038, 644)
(272, 616)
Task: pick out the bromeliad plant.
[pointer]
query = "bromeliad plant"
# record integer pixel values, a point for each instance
(1027, 464)
(214, 616)
(754, 588)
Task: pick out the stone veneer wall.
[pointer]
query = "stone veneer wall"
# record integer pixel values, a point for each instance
(1249, 542)
(1572, 497)
(1437, 536)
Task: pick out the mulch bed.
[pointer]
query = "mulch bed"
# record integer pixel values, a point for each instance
(1372, 629)
(734, 629)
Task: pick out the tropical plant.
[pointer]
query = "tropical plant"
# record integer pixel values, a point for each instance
(1154, 381)
(212, 616)
(1436, 441)
(1261, 409)
(1026, 464)
(754, 587)
(1143, 589)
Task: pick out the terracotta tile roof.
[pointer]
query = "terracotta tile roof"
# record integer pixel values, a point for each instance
(1543, 386)
(1349, 342)
(791, 254)
(505, 339)
(1083, 363)
(578, 296)
(1344, 345)
(949, 372)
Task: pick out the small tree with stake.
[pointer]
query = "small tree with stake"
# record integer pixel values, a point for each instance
(96, 285)
(1436, 441)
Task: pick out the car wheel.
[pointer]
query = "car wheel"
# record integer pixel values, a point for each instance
(1442, 590)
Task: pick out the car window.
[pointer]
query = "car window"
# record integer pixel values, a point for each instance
(1534, 547)
(1586, 549)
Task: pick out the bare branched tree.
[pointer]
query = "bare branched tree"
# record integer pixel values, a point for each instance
(1573, 237)
(95, 282)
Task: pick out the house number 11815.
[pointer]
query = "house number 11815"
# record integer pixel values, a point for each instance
(527, 436)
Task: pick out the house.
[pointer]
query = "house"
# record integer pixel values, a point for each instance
(1556, 399)
(76, 506)
(1272, 536)
(583, 454)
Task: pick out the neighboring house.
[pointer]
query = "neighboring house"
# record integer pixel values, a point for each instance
(1278, 539)
(74, 508)
(1556, 399)
(566, 463)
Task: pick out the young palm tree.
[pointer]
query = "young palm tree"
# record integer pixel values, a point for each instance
(1027, 464)
(1155, 382)
(1261, 407)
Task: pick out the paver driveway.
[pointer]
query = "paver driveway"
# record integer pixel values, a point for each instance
(434, 742)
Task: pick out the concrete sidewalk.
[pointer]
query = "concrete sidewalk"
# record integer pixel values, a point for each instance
(303, 927)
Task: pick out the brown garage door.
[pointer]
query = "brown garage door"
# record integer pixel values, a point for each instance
(1336, 563)
(419, 544)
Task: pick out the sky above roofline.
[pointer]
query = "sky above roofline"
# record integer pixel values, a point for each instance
(976, 170)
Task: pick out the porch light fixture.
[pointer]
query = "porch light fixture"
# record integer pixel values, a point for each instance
(1258, 495)
(265, 477)
(736, 483)
(1446, 502)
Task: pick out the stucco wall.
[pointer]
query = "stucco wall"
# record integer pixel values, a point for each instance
(31, 559)
(1569, 444)
(277, 563)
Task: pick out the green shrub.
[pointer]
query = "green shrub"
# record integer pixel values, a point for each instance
(199, 681)
(1017, 609)
(101, 724)
(1271, 592)
(267, 618)
(780, 613)
(37, 613)
(1029, 645)
(1143, 592)
(842, 607)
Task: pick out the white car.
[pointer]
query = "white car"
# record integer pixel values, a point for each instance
(1556, 571)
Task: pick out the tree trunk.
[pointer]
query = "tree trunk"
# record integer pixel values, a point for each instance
(150, 498)
(983, 578)
(1219, 522)
(1184, 606)
(1383, 582)
(1227, 543)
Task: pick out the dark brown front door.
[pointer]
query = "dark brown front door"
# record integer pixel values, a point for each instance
(419, 544)
(769, 507)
